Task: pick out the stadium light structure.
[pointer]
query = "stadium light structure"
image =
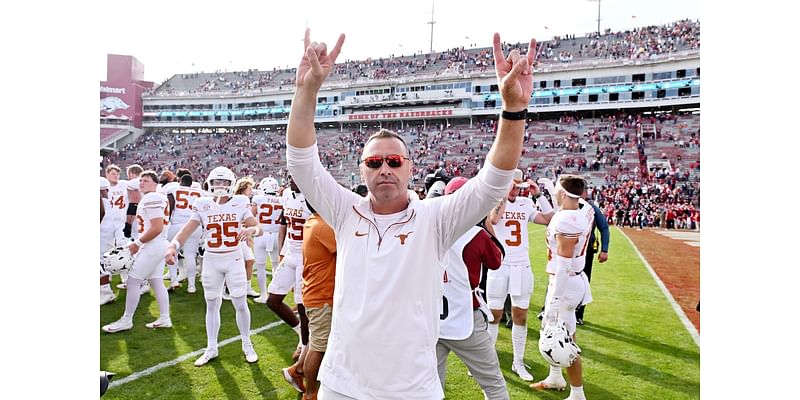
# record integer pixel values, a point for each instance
(598, 16)
(432, 22)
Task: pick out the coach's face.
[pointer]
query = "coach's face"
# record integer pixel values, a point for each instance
(386, 183)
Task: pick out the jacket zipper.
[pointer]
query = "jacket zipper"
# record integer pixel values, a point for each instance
(380, 236)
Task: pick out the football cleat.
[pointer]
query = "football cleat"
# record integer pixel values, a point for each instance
(249, 353)
(207, 356)
(106, 295)
(118, 326)
(523, 373)
(549, 384)
(159, 323)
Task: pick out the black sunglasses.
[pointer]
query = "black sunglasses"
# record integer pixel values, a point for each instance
(392, 160)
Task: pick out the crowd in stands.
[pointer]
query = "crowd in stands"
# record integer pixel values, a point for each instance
(611, 151)
(640, 44)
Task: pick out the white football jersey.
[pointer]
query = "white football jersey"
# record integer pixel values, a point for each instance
(295, 213)
(221, 222)
(167, 188)
(133, 184)
(184, 198)
(570, 224)
(512, 229)
(118, 196)
(152, 205)
(268, 211)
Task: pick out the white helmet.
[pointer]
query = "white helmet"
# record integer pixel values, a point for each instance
(117, 260)
(269, 185)
(222, 173)
(103, 183)
(556, 346)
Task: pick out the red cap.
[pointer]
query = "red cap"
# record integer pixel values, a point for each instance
(454, 184)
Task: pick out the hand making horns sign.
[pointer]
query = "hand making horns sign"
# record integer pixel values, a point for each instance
(514, 75)
(316, 63)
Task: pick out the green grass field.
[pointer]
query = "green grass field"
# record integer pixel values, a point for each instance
(634, 346)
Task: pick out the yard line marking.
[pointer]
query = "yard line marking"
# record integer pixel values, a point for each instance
(140, 374)
(678, 310)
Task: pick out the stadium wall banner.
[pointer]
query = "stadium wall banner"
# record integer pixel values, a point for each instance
(400, 114)
(121, 92)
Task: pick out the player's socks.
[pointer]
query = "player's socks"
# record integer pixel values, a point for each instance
(242, 316)
(519, 335)
(162, 298)
(212, 321)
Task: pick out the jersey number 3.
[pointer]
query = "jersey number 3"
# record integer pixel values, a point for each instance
(516, 233)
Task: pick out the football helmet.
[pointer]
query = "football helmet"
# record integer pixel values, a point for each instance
(116, 260)
(269, 185)
(104, 183)
(556, 346)
(105, 380)
(221, 173)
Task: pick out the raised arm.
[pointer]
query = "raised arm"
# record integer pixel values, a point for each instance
(515, 79)
(302, 157)
(314, 67)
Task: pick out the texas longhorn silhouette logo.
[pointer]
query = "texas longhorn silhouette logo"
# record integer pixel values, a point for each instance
(403, 237)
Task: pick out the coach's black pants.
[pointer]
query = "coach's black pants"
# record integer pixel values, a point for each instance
(587, 269)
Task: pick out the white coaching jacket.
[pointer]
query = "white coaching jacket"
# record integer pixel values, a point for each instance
(388, 284)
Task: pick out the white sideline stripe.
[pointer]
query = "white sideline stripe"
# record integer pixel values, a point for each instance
(678, 310)
(140, 374)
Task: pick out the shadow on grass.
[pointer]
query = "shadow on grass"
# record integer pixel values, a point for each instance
(265, 388)
(645, 373)
(226, 381)
(636, 340)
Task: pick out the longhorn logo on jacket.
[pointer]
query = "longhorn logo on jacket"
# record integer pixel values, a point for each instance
(403, 237)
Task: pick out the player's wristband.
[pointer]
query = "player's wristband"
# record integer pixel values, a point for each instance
(138, 242)
(544, 205)
(515, 116)
(176, 243)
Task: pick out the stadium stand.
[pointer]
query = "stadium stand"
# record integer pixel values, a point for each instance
(637, 44)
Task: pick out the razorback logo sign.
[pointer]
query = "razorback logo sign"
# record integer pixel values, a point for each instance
(401, 114)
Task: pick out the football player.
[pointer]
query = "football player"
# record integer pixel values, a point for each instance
(166, 181)
(268, 208)
(222, 217)
(514, 277)
(567, 240)
(181, 198)
(244, 187)
(118, 196)
(107, 227)
(149, 249)
(134, 195)
(289, 274)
